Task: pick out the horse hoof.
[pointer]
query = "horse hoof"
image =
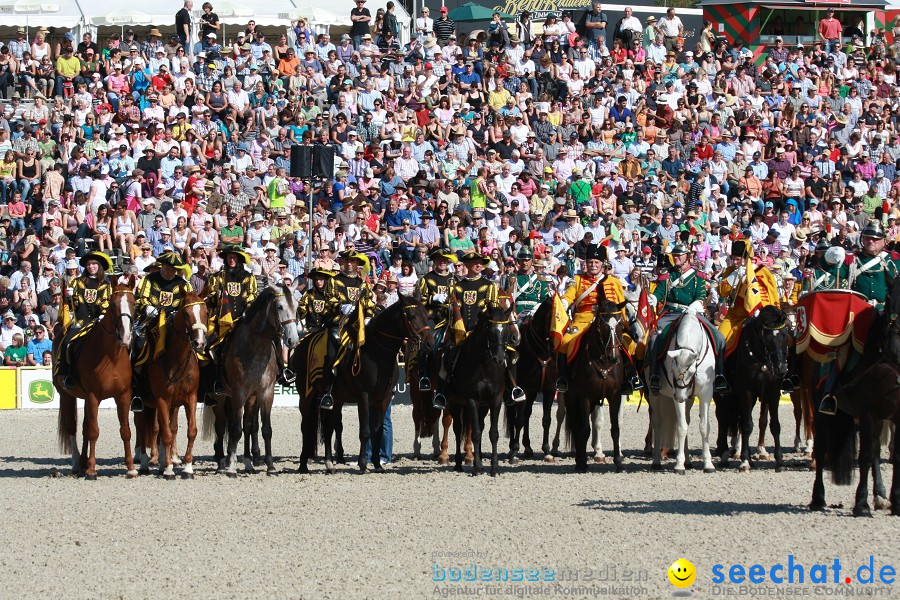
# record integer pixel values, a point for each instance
(444, 462)
(862, 511)
(231, 474)
(131, 475)
(378, 469)
(493, 473)
(475, 473)
(817, 506)
(272, 472)
(90, 477)
(709, 470)
(469, 462)
(620, 468)
(528, 453)
(779, 469)
(331, 471)
(581, 468)
(549, 458)
(656, 467)
(220, 471)
(680, 472)
(303, 469)
(744, 469)
(600, 460)
(723, 464)
(882, 503)
(187, 475)
(458, 469)
(169, 476)
(513, 460)
(259, 462)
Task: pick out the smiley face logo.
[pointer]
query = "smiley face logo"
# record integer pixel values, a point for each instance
(682, 573)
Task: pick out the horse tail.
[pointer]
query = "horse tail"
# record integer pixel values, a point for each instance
(887, 433)
(208, 430)
(67, 414)
(729, 409)
(841, 448)
(510, 416)
(569, 425)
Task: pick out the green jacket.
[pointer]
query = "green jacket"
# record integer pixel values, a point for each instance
(675, 291)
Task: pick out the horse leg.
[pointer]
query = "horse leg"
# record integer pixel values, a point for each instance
(747, 401)
(494, 435)
(895, 481)
(474, 422)
(546, 421)
(705, 424)
(190, 409)
(166, 438)
(527, 409)
(761, 453)
(681, 427)
(309, 414)
(447, 421)
(597, 432)
(376, 428)
(880, 495)
(775, 426)
(91, 429)
(656, 429)
(514, 415)
(328, 419)
(560, 418)
(122, 405)
(648, 439)
(264, 405)
(250, 424)
(818, 495)
(458, 433)
(417, 417)
(338, 424)
(866, 438)
(364, 433)
(257, 459)
(67, 428)
(797, 406)
(436, 449)
(234, 423)
(219, 444)
(616, 409)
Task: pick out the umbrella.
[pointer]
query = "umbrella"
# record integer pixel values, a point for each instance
(124, 16)
(233, 9)
(471, 12)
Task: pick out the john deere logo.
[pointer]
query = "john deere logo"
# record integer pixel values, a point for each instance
(40, 391)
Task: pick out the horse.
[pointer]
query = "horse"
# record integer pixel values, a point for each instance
(173, 381)
(690, 368)
(368, 377)
(757, 367)
(250, 368)
(536, 374)
(598, 371)
(477, 382)
(427, 419)
(104, 366)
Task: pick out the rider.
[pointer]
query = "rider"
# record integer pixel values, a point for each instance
(434, 289)
(830, 272)
(349, 289)
(733, 286)
(581, 299)
(90, 297)
(871, 274)
(528, 289)
(160, 292)
(677, 290)
(474, 295)
(317, 305)
(228, 294)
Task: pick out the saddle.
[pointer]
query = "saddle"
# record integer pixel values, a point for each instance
(665, 337)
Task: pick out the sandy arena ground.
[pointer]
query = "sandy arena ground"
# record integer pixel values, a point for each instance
(391, 535)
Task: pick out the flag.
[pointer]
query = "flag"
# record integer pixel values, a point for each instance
(559, 322)
(752, 294)
(456, 321)
(226, 320)
(646, 317)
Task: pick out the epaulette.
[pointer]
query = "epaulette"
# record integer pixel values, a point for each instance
(895, 255)
(662, 277)
(702, 274)
(848, 260)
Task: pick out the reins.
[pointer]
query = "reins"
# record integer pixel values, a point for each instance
(113, 334)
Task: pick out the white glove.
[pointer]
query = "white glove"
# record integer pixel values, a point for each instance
(652, 300)
(439, 298)
(346, 308)
(565, 303)
(696, 307)
(150, 311)
(366, 320)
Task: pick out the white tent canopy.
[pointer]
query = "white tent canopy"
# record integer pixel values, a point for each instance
(35, 13)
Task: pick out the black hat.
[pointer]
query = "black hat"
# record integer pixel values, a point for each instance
(101, 257)
(524, 254)
(320, 272)
(595, 252)
(740, 248)
(474, 256)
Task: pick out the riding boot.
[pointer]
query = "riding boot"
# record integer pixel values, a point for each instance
(562, 382)
(721, 384)
(828, 405)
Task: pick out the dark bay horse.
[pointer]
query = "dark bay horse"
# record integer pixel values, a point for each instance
(104, 368)
(758, 367)
(173, 381)
(367, 376)
(250, 368)
(477, 382)
(536, 374)
(598, 371)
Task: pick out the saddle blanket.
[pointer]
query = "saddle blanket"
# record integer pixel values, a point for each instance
(830, 322)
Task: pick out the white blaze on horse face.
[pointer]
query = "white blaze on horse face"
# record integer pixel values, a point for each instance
(125, 315)
(290, 335)
(198, 327)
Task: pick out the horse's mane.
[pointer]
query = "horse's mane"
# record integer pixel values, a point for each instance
(385, 316)
(893, 299)
(260, 304)
(771, 317)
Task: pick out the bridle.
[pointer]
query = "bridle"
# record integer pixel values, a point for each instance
(196, 326)
(609, 347)
(275, 331)
(761, 348)
(114, 334)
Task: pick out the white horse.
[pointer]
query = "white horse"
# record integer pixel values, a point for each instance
(689, 372)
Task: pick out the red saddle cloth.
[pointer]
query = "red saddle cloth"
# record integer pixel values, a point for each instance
(831, 322)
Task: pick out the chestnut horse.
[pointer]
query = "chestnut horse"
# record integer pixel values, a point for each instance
(173, 381)
(104, 368)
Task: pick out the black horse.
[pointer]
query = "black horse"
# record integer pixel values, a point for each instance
(867, 401)
(598, 371)
(367, 376)
(477, 382)
(758, 367)
(536, 373)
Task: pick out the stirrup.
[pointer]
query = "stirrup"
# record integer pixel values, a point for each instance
(721, 384)
(69, 382)
(439, 401)
(828, 405)
(517, 394)
(327, 401)
(655, 384)
(137, 404)
(218, 388)
(424, 384)
(787, 385)
(636, 383)
(287, 377)
(209, 399)
(562, 385)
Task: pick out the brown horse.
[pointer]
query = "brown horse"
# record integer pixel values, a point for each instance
(426, 419)
(104, 368)
(174, 378)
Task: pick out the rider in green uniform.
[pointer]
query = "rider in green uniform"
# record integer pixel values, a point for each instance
(528, 288)
(90, 297)
(830, 272)
(677, 290)
(871, 274)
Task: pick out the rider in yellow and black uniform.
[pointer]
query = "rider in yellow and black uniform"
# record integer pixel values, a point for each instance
(159, 294)
(317, 305)
(228, 294)
(349, 290)
(90, 297)
(434, 289)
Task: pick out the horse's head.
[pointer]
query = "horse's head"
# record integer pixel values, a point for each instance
(121, 311)
(683, 367)
(415, 321)
(609, 325)
(195, 320)
(499, 331)
(773, 340)
(537, 334)
(286, 313)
